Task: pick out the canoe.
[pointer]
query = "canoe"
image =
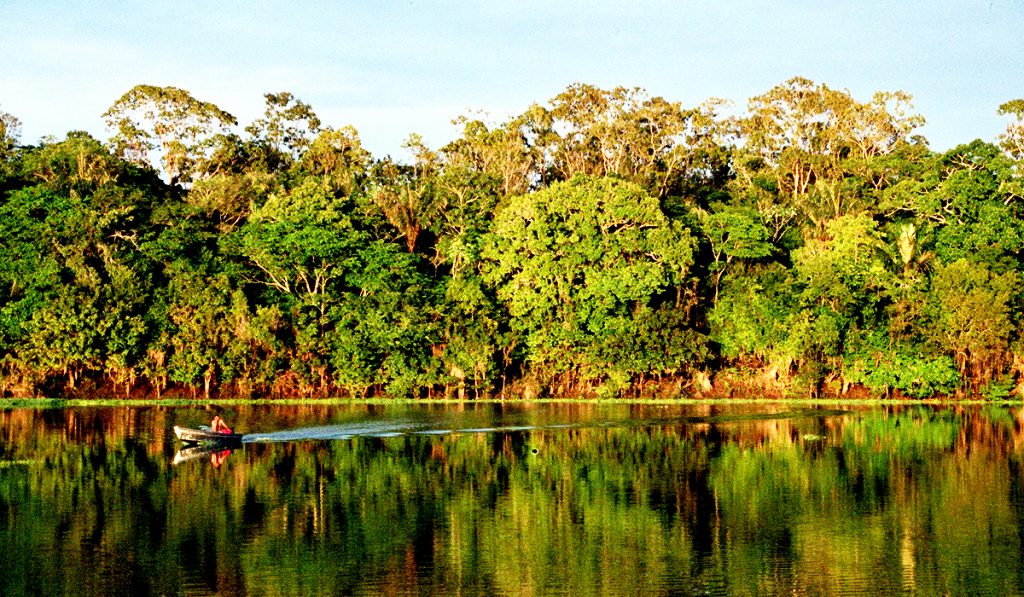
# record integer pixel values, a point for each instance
(205, 435)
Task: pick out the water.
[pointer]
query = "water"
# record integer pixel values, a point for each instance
(514, 500)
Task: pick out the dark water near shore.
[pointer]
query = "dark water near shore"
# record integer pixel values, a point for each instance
(515, 499)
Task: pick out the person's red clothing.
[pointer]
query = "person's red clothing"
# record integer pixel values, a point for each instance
(219, 457)
(219, 425)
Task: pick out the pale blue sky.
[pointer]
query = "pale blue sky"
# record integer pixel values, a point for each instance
(394, 68)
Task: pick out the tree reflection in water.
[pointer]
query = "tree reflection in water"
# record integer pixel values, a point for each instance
(517, 499)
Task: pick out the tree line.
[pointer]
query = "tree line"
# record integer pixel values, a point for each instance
(606, 243)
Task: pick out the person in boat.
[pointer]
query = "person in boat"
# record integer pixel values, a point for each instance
(218, 425)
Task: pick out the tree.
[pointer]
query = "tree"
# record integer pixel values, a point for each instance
(812, 138)
(288, 124)
(202, 331)
(465, 203)
(970, 310)
(843, 278)
(10, 132)
(77, 281)
(503, 152)
(300, 241)
(733, 233)
(624, 132)
(404, 193)
(337, 157)
(76, 167)
(752, 318)
(966, 197)
(577, 259)
(1012, 141)
(181, 126)
(844, 270)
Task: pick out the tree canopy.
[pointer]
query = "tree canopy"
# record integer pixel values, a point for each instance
(605, 242)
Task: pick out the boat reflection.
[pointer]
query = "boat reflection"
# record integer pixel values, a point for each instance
(216, 453)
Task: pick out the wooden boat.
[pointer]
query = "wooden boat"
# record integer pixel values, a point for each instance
(205, 435)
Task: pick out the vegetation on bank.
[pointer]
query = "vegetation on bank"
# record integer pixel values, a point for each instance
(608, 243)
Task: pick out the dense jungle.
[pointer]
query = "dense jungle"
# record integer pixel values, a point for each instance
(605, 243)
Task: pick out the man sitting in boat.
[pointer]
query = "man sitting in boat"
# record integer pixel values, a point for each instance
(218, 425)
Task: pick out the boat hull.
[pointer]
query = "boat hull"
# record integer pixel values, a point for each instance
(205, 436)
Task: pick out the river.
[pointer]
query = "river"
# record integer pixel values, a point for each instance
(515, 499)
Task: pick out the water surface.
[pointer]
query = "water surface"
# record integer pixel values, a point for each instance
(515, 499)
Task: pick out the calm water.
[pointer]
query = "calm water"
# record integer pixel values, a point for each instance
(514, 500)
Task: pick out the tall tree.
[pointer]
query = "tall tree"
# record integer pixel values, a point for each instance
(288, 124)
(970, 310)
(503, 152)
(148, 117)
(580, 259)
(404, 193)
(10, 132)
(1012, 142)
(806, 135)
(626, 133)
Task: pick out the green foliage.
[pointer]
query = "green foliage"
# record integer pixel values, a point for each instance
(843, 270)
(147, 117)
(287, 123)
(1012, 141)
(970, 311)
(752, 315)
(609, 242)
(913, 375)
(733, 233)
(579, 260)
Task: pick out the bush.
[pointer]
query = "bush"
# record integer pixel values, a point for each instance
(913, 375)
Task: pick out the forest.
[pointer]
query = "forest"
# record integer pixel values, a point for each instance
(607, 243)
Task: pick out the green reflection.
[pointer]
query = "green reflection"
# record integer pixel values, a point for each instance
(622, 501)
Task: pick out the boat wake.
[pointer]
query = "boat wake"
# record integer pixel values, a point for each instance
(371, 429)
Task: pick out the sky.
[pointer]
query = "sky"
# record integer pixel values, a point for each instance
(395, 68)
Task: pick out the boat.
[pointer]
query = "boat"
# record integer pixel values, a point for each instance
(205, 435)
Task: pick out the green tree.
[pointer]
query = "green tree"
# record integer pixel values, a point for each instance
(811, 139)
(288, 124)
(750, 322)
(503, 152)
(624, 132)
(77, 280)
(169, 119)
(1012, 141)
(10, 133)
(971, 315)
(405, 194)
(580, 258)
(976, 219)
(843, 279)
(300, 242)
(337, 157)
(733, 233)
